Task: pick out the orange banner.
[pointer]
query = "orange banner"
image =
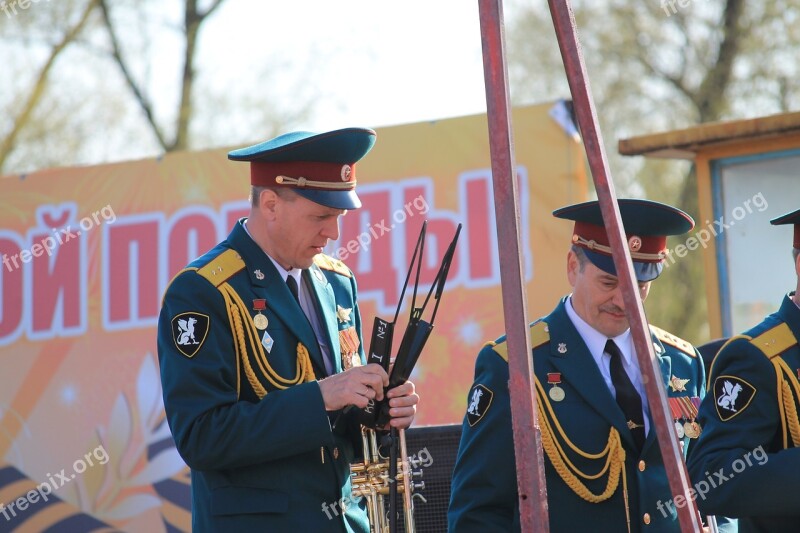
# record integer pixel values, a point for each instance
(88, 251)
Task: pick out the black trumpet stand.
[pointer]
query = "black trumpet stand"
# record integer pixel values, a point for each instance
(376, 414)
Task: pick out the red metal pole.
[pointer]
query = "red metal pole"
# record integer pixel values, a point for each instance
(564, 22)
(524, 416)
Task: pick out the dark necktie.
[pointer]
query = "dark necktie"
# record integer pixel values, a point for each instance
(627, 397)
(292, 284)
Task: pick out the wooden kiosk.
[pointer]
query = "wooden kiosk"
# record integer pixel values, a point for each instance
(748, 172)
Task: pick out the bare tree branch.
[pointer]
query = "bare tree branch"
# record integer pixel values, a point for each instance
(708, 99)
(137, 92)
(675, 81)
(40, 85)
(211, 8)
(193, 20)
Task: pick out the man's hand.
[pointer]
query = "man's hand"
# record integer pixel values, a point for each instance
(403, 402)
(356, 386)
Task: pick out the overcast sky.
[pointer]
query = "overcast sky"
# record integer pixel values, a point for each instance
(384, 63)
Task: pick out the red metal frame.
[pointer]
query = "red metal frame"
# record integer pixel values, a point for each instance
(524, 416)
(530, 473)
(566, 32)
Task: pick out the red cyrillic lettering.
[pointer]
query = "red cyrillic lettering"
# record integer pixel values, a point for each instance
(10, 289)
(480, 229)
(132, 271)
(57, 286)
(190, 236)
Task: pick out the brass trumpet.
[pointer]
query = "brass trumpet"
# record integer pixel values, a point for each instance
(373, 477)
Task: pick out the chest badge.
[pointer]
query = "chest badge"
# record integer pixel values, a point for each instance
(343, 313)
(267, 342)
(677, 384)
(657, 347)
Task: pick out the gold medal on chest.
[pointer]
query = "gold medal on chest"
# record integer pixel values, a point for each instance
(556, 393)
(260, 321)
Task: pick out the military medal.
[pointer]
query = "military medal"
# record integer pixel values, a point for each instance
(677, 384)
(348, 346)
(696, 403)
(260, 321)
(696, 429)
(556, 393)
(343, 313)
(690, 427)
(677, 411)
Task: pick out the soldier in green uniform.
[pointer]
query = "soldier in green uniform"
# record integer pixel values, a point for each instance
(259, 342)
(746, 463)
(603, 465)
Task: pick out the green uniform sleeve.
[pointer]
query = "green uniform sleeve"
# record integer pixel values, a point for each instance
(484, 486)
(731, 466)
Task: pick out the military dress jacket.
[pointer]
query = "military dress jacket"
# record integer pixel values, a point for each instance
(747, 459)
(242, 401)
(582, 420)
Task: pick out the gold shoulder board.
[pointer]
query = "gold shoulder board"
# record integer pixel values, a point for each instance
(539, 334)
(221, 268)
(775, 341)
(327, 262)
(672, 340)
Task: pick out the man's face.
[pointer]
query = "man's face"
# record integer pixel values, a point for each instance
(597, 297)
(298, 228)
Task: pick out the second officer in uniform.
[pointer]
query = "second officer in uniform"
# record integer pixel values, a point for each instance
(603, 465)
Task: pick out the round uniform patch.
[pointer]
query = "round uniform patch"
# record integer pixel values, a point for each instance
(732, 395)
(480, 398)
(189, 330)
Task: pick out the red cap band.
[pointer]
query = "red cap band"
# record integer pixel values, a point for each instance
(643, 248)
(303, 174)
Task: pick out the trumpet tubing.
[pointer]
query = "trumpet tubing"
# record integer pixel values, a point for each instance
(371, 479)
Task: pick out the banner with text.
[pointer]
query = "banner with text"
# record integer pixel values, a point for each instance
(87, 253)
